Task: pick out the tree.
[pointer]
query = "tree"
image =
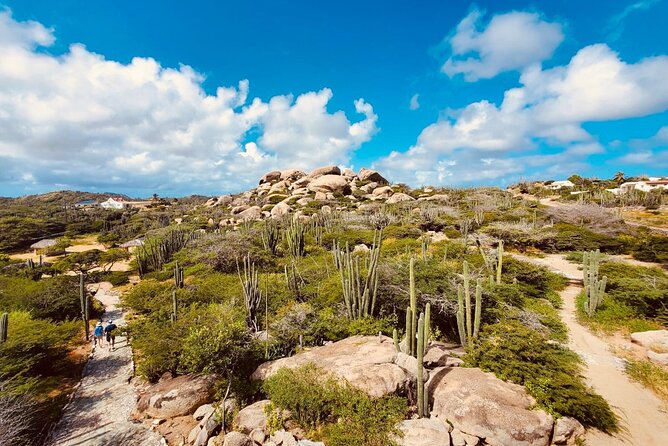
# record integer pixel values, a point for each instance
(110, 257)
(619, 178)
(81, 262)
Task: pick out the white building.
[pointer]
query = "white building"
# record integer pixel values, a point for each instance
(556, 185)
(645, 186)
(113, 204)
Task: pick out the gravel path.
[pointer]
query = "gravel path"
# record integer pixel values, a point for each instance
(643, 415)
(100, 409)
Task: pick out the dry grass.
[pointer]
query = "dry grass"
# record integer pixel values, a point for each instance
(650, 375)
(657, 218)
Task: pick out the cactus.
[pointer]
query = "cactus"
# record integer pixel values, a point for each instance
(4, 324)
(83, 300)
(427, 325)
(468, 326)
(295, 238)
(178, 275)
(594, 287)
(175, 304)
(413, 300)
(293, 279)
(499, 261)
(409, 329)
(270, 235)
(395, 338)
(251, 288)
(359, 294)
(426, 241)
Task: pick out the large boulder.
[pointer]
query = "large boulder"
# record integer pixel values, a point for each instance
(237, 439)
(567, 430)
(326, 170)
(372, 175)
(478, 403)
(292, 174)
(270, 177)
(252, 213)
(252, 417)
(175, 397)
(383, 192)
(653, 338)
(363, 361)
(398, 198)
(330, 183)
(424, 432)
(280, 210)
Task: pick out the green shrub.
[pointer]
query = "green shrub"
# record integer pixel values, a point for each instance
(550, 372)
(340, 413)
(117, 278)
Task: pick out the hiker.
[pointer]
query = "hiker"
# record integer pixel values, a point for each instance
(111, 336)
(98, 333)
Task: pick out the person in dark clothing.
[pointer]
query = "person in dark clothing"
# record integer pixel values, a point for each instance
(110, 333)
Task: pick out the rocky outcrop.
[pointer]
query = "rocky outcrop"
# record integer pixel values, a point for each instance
(252, 213)
(175, 397)
(372, 175)
(478, 403)
(292, 174)
(280, 210)
(398, 198)
(326, 170)
(362, 361)
(270, 177)
(382, 192)
(252, 417)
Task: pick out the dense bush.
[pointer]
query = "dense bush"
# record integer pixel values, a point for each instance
(339, 413)
(550, 373)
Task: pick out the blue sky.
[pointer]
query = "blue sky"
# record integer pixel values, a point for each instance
(204, 98)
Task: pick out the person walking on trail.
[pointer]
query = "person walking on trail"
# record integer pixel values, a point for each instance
(98, 333)
(109, 330)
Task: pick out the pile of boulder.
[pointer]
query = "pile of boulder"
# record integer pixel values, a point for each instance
(468, 406)
(280, 193)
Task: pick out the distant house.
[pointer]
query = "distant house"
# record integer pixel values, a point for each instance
(556, 185)
(132, 244)
(645, 185)
(114, 203)
(43, 244)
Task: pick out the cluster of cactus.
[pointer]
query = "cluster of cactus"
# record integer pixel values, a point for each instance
(494, 266)
(468, 325)
(250, 284)
(4, 324)
(359, 293)
(153, 254)
(270, 235)
(426, 241)
(594, 287)
(416, 341)
(83, 300)
(178, 275)
(293, 279)
(295, 237)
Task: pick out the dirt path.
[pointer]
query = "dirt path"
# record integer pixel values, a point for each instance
(643, 415)
(99, 412)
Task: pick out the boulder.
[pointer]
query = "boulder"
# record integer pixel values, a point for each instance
(398, 198)
(362, 361)
(382, 192)
(304, 201)
(283, 438)
(478, 403)
(330, 183)
(442, 198)
(292, 174)
(258, 436)
(237, 439)
(310, 443)
(174, 430)
(424, 432)
(459, 438)
(566, 431)
(209, 425)
(349, 173)
(367, 188)
(652, 338)
(252, 213)
(270, 177)
(175, 397)
(326, 170)
(280, 210)
(239, 209)
(252, 417)
(372, 175)
(300, 191)
(657, 358)
(202, 411)
(320, 196)
(435, 356)
(279, 187)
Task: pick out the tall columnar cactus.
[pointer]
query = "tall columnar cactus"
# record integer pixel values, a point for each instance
(468, 325)
(250, 284)
(427, 326)
(294, 236)
(395, 338)
(175, 305)
(83, 300)
(178, 275)
(594, 287)
(293, 279)
(426, 241)
(270, 235)
(499, 261)
(4, 325)
(359, 293)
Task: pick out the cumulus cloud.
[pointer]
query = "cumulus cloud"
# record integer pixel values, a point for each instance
(80, 120)
(485, 141)
(510, 41)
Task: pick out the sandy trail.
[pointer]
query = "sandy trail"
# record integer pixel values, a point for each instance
(99, 412)
(643, 415)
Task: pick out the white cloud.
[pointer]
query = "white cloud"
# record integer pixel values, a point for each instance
(485, 141)
(510, 41)
(80, 120)
(415, 102)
